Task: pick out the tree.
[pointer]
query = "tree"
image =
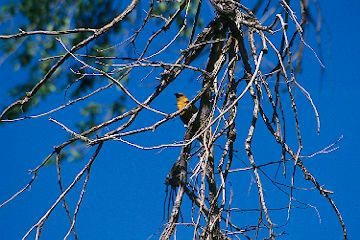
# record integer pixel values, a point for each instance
(247, 55)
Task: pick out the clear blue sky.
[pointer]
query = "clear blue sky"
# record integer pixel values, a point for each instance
(124, 199)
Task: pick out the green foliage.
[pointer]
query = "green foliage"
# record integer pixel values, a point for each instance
(90, 112)
(118, 106)
(30, 15)
(24, 54)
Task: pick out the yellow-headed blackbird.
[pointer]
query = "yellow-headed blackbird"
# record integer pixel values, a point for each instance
(187, 114)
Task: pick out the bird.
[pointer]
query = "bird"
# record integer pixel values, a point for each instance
(187, 114)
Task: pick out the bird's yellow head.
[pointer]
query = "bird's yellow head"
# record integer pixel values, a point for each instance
(181, 100)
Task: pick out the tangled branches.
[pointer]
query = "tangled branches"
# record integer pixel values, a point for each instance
(239, 44)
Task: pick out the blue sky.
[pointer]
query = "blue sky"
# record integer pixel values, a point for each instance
(124, 198)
